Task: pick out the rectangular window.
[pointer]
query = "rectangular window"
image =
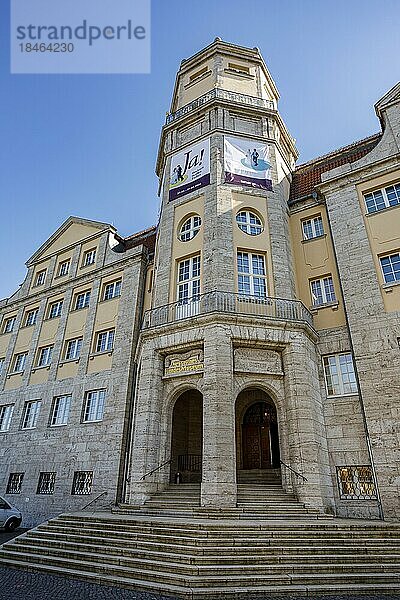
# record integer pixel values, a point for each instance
(73, 349)
(82, 484)
(44, 356)
(356, 483)
(105, 341)
(82, 300)
(31, 317)
(55, 309)
(60, 413)
(312, 228)
(94, 406)
(239, 68)
(252, 279)
(8, 325)
(46, 483)
(19, 362)
(31, 413)
(391, 267)
(322, 291)
(40, 277)
(89, 258)
(383, 198)
(188, 286)
(1, 364)
(112, 290)
(340, 378)
(6, 413)
(63, 268)
(14, 483)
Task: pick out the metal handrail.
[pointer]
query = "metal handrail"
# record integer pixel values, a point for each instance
(156, 469)
(94, 499)
(283, 309)
(293, 471)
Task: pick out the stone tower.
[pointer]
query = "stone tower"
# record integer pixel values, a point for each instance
(226, 336)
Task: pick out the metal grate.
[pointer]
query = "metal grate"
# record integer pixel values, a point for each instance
(189, 462)
(82, 484)
(356, 483)
(46, 483)
(14, 483)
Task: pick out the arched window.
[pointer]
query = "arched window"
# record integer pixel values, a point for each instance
(249, 222)
(190, 228)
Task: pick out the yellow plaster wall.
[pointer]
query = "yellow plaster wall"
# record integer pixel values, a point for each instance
(75, 233)
(40, 375)
(237, 82)
(60, 259)
(13, 381)
(91, 244)
(99, 362)
(4, 341)
(383, 230)
(313, 259)
(189, 91)
(40, 267)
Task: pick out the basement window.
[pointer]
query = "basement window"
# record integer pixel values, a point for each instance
(356, 483)
(83, 483)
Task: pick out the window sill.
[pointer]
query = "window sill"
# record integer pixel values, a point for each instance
(52, 318)
(95, 354)
(67, 361)
(6, 332)
(109, 299)
(57, 425)
(388, 287)
(317, 237)
(78, 309)
(27, 326)
(86, 266)
(40, 368)
(377, 212)
(94, 421)
(342, 395)
(14, 373)
(239, 73)
(56, 277)
(333, 305)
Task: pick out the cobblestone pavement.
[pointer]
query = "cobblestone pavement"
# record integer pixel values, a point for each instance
(16, 584)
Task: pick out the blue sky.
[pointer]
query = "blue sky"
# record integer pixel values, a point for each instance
(86, 145)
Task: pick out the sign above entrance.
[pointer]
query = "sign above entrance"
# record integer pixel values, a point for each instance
(184, 364)
(190, 170)
(257, 360)
(247, 163)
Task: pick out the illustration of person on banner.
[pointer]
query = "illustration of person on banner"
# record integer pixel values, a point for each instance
(246, 163)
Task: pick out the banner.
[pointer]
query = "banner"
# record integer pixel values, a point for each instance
(190, 170)
(246, 163)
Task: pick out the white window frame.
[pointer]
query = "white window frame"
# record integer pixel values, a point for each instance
(40, 277)
(19, 362)
(31, 414)
(31, 317)
(60, 411)
(190, 228)
(93, 408)
(341, 380)
(9, 324)
(393, 272)
(323, 283)
(45, 354)
(312, 228)
(112, 289)
(86, 300)
(6, 413)
(2, 361)
(63, 268)
(55, 309)
(73, 349)
(384, 195)
(252, 277)
(248, 225)
(105, 341)
(89, 257)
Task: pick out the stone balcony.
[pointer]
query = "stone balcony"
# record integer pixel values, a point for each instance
(276, 309)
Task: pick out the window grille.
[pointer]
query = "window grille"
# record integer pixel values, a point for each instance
(46, 483)
(356, 483)
(82, 484)
(14, 483)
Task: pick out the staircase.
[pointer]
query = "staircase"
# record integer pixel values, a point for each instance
(203, 559)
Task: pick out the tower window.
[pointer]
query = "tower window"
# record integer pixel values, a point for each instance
(252, 280)
(249, 222)
(190, 228)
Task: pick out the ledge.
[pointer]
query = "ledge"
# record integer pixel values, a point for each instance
(67, 361)
(93, 355)
(388, 287)
(317, 237)
(39, 368)
(333, 305)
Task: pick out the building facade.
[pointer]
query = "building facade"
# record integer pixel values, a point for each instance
(256, 329)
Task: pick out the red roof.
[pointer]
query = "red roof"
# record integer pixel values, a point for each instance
(308, 175)
(147, 237)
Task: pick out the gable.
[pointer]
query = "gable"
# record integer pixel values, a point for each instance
(72, 232)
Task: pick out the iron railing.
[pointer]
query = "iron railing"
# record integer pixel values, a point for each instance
(189, 462)
(299, 475)
(167, 462)
(226, 302)
(356, 483)
(220, 94)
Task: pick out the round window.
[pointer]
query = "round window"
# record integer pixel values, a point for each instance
(249, 222)
(190, 228)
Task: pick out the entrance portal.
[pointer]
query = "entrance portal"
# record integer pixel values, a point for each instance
(256, 431)
(187, 438)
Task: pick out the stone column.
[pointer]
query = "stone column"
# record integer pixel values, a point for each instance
(218, 488)
(146, 452)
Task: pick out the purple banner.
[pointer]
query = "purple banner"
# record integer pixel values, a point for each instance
(175, 193)
(264, 184)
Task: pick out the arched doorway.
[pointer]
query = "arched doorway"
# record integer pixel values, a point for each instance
(187, 438)
(256, 431)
